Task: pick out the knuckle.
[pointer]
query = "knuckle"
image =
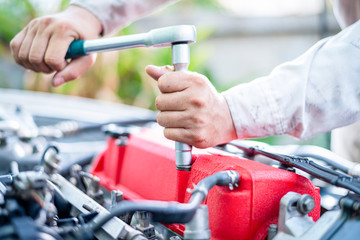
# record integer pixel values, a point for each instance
(159, 118)
(33, 22)
(196, 120)
(23, 57)
(201, 145)
(18, 61)
(63, 26)
(14, 44)
(168, 134)
(54, 62)
(35, 59)
(194, 136)
(197, 79)
(45, 22)
(158, 103)
(161, 83)
(164, 82)
(198, 138)
(197, 101)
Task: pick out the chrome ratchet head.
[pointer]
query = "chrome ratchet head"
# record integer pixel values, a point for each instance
(167, 36)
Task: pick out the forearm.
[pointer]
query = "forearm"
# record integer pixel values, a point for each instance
(315, 93)
(114, 14)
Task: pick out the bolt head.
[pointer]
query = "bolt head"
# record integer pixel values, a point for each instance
(305, 204)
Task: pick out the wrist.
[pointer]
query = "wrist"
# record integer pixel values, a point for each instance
(229, 130)
(87, 21)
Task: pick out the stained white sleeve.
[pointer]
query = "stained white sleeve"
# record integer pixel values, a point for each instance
(114, 14)
(312, 94)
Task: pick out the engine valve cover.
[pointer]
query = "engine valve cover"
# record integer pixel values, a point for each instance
(143, 167)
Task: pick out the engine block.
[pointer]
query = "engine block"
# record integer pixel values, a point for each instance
(142, 166)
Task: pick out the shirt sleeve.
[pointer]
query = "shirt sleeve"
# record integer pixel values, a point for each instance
(114, 14)
(312, 94)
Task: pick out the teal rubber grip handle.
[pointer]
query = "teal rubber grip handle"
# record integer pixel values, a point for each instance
(76, 49)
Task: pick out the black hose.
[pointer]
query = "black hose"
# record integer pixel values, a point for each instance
(326, 174)
(176, 212)
(326, 156)
(173, 212)
(309, 151)
(51, 146)
(223, 178)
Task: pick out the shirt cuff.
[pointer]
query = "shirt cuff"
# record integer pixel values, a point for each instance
(254, 110)
(105, 11)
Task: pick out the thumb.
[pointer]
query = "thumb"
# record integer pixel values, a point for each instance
(156, 72)
(73, 70)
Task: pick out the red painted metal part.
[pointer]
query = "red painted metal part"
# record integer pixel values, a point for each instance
(145, 169)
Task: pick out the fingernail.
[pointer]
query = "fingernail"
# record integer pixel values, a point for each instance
(58, 81)
(168, 67)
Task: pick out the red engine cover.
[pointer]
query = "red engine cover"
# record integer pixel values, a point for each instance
(145, 169)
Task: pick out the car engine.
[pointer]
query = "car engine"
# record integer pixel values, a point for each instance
(74, 168)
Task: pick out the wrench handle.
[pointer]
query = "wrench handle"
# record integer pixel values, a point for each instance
(76, 49)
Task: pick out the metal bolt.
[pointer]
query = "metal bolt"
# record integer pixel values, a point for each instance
(116, 197)
(94, 185)
(75, 174)
(144, 225)
(51, 163)
(305, 204)
(356, 206)
(143, 218)
(87, 207)
(272, 231)
(287, 168)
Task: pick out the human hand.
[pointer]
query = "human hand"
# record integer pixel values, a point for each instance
(191, 110)
(42, 45)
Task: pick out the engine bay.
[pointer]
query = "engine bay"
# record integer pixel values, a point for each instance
(75, 168)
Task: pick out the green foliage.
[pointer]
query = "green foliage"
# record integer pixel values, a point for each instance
(121, 78)
(64, 4)
(14, 14)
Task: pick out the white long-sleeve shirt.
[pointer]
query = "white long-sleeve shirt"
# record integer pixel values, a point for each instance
(314, 93)
(114, 14)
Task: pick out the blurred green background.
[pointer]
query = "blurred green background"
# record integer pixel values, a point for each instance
(223, 32)
(117, 76)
